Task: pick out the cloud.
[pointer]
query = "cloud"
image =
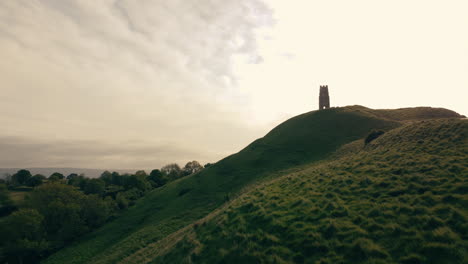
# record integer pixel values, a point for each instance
(22, 152)
(204, 78)
(157, 72)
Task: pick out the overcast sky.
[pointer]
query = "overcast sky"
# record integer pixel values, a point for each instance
(138, 84)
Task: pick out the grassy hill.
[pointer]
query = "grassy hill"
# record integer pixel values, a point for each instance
(401, 199)
(140, 235)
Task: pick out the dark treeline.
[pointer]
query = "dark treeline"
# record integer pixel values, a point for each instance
(58, 209)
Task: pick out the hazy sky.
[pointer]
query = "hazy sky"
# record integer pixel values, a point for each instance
(138, 84)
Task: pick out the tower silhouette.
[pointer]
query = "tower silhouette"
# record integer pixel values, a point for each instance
(324, 98)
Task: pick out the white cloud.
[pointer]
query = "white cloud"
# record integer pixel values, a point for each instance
(154, 71)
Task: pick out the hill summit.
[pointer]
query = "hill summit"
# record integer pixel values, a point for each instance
(310, 191)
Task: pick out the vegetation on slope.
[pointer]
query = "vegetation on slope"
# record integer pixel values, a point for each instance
(40, 215)
(306, 138)
(403, 198)
(409, 114)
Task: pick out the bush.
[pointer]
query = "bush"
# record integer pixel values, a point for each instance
(22, 237)
(184, 191)
(122, 202)
(373, 135)
(35, 180)
(95, 186)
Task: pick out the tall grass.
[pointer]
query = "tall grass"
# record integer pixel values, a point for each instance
(366, 207)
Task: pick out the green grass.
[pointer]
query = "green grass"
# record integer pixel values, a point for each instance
(18, 194)
(410, 114)
(401, 199)
(302, 140)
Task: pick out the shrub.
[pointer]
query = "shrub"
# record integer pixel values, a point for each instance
(184, 191)
(122, 202)
(373, 135)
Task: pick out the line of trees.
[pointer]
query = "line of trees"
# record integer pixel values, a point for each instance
(59, 209)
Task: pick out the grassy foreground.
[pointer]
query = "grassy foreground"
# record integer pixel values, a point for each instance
(302, 140)
(401, 199)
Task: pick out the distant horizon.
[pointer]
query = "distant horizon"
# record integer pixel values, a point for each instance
(68, 168)
(148, 170)
(47, 171)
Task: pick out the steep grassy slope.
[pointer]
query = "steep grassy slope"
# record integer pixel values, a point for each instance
(306, 138)
(401, 199)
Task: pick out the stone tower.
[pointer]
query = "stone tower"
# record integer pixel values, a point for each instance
(324, 98)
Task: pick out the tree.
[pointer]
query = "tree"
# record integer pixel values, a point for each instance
(172, 171)
(121, 200)
(118, 179)
(35, 180)
(156, 178)
(192, 167)
(95, 186)
(72, 176)
(76, 181)
(130, 196)
(56, 176)
(95, 211)
(137, 182)
(68, 213)
(6, 204)
(106, 176)
(141, 173)
(7, 177)
(60, 205)
(55, 214)
(22, 236)
(21, 177)
(4, 196)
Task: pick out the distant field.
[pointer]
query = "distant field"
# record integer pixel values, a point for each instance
(90, 173)
(17, 196)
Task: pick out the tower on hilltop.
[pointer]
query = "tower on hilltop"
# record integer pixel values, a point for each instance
(324, 98)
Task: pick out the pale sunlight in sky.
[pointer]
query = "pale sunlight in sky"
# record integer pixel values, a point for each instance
(380, 54)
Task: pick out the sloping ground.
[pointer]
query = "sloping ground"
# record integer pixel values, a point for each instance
(401, 199)
(409, 114)
(303, 139)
